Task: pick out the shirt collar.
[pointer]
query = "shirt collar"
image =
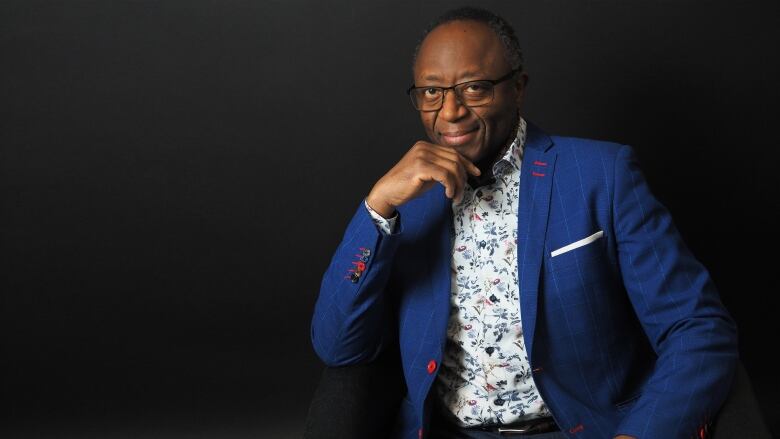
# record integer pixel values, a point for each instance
(512, 155)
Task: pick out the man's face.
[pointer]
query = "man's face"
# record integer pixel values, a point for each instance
(462, 51)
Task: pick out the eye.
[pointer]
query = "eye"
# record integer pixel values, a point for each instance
(477, 89)
(431, 92)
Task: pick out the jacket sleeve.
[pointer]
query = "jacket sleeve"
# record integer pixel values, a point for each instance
(680, 310)
(351, 321)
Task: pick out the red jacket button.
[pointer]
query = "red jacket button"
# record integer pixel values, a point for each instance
(432, 366)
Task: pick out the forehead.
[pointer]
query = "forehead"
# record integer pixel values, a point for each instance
(460, 50)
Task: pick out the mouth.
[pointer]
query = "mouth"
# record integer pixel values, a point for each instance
(458, 138)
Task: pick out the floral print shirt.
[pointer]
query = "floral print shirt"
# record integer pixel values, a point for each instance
(485, 376)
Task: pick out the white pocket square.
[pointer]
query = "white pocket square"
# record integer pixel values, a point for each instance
(577, 244)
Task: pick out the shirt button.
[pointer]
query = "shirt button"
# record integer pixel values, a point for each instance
(431, 366)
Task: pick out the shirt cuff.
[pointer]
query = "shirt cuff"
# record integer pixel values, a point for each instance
(385, 225)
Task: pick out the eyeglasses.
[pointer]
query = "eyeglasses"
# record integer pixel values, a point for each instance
(470, 93)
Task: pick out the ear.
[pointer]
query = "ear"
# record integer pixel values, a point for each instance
(521, 82)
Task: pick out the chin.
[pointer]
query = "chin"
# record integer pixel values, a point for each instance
(474, 156)
(477, 152)
(471, 152)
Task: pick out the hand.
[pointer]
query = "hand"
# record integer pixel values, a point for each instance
(623, 436)
(417, 171)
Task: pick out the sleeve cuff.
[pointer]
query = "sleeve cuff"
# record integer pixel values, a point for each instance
(385, 225)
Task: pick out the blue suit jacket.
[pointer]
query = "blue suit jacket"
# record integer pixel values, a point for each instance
(625, 335)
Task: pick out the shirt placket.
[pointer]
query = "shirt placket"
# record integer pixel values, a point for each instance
(485, 274)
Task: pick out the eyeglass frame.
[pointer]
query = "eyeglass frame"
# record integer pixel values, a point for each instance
(493, 82)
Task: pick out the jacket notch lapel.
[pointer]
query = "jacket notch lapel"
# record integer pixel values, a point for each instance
(536, 178)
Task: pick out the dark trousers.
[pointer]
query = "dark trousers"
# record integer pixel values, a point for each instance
(357, 401)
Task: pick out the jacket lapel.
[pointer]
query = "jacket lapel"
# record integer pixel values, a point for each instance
(536, 176)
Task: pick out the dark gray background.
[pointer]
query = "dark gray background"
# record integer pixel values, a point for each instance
(175, 175)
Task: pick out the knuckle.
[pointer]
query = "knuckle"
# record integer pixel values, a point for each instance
(420, 145)
(423, 154)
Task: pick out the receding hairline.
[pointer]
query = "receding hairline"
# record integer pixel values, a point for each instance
(490, 34)
(466, 21)
(497, 24)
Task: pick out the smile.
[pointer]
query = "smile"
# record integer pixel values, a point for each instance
(456, 138)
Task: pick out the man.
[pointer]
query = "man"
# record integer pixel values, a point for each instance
(532, 284)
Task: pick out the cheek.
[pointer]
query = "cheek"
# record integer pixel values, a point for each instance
(491, 121)
(500, 120)
(428, 121)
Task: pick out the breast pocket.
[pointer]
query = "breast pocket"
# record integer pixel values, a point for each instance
(579, 253)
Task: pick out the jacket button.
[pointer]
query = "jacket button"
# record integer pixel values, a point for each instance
(432, 366)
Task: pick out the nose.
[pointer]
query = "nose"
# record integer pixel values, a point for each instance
(452, 108)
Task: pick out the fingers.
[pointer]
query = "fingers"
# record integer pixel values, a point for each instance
(470, 167)
(449, 173)
(453, 188)
(444, 165)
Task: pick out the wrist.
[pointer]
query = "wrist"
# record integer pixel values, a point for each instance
(383, 208)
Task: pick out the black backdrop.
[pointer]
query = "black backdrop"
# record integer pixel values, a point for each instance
(175, 175)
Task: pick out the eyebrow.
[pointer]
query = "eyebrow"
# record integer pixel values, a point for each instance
(464, 77)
